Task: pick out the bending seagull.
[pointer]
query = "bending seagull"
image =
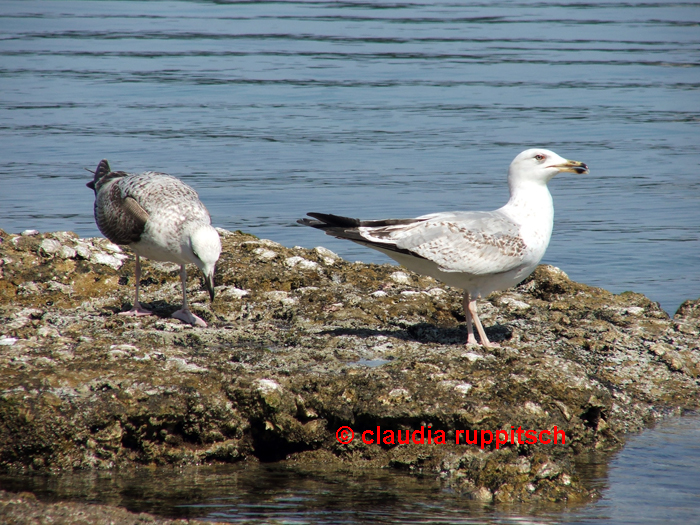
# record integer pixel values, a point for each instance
(160, 218)
(478, 251)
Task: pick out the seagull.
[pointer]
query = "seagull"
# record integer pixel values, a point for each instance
(160, 218)
(478, 251)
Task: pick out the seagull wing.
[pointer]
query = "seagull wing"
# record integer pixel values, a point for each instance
(477, 243)
(122, 220)
(162, 196)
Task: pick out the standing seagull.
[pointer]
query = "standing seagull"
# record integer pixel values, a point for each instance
(160, 218)
(477, 251)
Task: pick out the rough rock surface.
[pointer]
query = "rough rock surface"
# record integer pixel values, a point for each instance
(301, 343)
(25, 509)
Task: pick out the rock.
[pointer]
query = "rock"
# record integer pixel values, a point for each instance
(266, 386)
(687, 318)
(304, 264)
(482, 494)
(327, 257)
(232, 291)
(265, 254)
(514, 302)
(67, 252)
(26, 509)
(114, 261)
(83, 250)
(301, 343)
(400, 278)
(49, 247)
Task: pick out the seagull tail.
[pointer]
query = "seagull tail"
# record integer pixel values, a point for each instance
(328, 220)
(101, 170)
(349, 228)
(335, 225)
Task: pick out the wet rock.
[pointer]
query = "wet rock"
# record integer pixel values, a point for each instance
(301, 343)
(482, 494)
(26, 509)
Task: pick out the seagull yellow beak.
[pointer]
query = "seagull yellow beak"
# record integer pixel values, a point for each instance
(571, 166)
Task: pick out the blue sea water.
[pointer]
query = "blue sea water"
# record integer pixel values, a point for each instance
(376, 109)
(369, 109)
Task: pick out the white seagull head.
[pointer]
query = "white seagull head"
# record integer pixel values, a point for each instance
(206, 246)
(539, 166)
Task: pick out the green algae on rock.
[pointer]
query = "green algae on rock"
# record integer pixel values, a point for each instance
(301, 343)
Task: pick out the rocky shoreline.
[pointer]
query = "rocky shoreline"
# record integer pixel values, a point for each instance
(25, 509)
(301, 343)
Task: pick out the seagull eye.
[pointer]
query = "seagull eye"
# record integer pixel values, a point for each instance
(539, 157)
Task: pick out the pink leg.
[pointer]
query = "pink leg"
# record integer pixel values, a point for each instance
(184, 314)
(479, 328)
(137, 310)
(471, 340)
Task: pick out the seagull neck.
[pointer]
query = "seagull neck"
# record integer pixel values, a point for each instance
(530, 202)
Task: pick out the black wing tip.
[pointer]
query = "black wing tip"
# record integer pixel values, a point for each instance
(328, 220)
(335, 220)
(101, 170)
(347, 228)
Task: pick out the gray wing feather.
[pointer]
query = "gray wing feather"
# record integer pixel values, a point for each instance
(471, 242)
(159, 193)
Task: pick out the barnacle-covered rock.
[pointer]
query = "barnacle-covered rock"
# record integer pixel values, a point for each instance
(301, 343)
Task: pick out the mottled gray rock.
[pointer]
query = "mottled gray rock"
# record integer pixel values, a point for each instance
(301, 343)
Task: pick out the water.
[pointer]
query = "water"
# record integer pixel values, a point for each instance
(371, 109)
(654, 480)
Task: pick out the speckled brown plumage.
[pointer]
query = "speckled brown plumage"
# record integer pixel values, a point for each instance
(160, 218)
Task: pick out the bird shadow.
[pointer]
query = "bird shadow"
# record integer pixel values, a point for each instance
(161, 310)
(158, 308)
(426, 333)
